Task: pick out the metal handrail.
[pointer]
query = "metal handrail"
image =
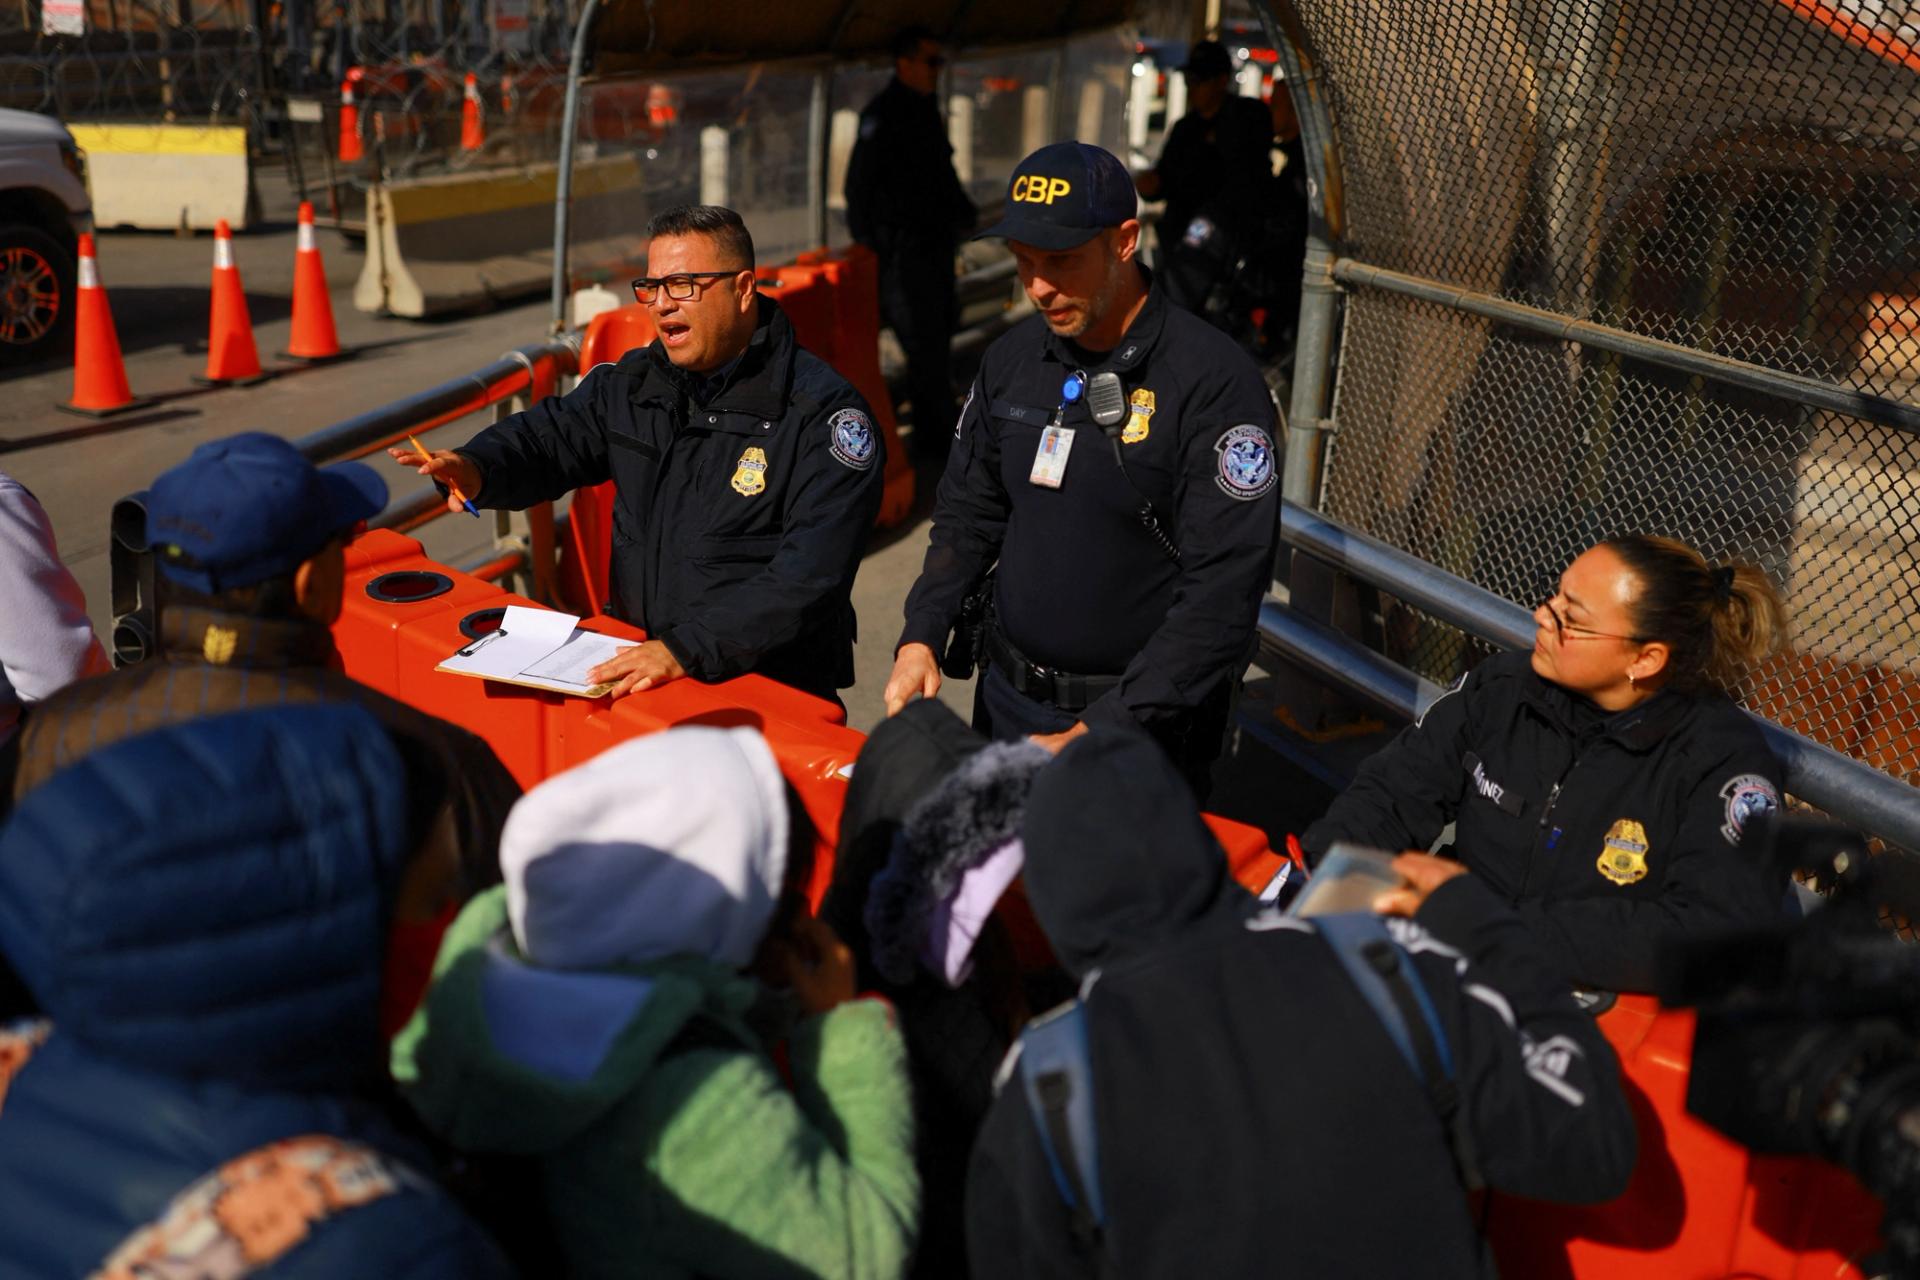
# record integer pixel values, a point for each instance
(1848, 789)
(509, 376)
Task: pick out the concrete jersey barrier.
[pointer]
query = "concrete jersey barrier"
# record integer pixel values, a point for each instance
(159, 177)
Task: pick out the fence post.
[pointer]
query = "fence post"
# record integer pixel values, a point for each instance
(819, 143)
(1307, 421)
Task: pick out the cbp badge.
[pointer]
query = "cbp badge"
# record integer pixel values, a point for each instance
(750, 473)
(1747, 796)
(851, 439)
(1246, 463)
(1623, 854)
(1139, 417)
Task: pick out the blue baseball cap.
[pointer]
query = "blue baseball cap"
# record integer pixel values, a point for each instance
(250, 507)
(1064, 195)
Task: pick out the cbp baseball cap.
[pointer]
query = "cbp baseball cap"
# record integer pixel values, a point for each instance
(1064, 195)
(250, 507)
(1205, 60)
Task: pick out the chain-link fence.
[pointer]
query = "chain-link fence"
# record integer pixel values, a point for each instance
(1734, 177)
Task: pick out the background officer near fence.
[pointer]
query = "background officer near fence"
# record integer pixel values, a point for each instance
(905, 202)
(1115, 459)
(1216, 175)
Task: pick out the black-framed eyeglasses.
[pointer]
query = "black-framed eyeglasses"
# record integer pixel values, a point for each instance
(681, 288)
(1565, 630)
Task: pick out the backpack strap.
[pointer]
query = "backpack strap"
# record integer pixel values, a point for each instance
(1386, 976)
(1056, 1076)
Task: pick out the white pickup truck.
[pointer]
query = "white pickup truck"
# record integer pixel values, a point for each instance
(44, 206)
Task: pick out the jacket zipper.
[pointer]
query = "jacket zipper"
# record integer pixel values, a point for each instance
(1546, 816)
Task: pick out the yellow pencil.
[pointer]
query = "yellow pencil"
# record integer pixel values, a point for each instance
(454, 489)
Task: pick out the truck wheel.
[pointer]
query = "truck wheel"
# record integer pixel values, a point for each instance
(36, 295)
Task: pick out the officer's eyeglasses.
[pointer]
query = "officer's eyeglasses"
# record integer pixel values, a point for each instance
(681, 288)
(1564, 630)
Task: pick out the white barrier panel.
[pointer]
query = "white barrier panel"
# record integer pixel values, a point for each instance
(450, 241)
(161, 177)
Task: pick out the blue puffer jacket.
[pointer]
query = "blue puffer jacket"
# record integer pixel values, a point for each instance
(201, 911)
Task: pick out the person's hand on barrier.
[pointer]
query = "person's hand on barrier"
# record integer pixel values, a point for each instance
(915, 670)
(1423, 873)
(1054, 741)
(458, 472)
(644, 666)
(814, 964)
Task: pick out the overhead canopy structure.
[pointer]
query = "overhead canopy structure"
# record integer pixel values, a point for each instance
(661, 35)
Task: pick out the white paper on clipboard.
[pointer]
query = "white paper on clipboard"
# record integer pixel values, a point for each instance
(539, 648)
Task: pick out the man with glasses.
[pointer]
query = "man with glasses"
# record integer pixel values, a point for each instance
(746, 473)
(905, 202)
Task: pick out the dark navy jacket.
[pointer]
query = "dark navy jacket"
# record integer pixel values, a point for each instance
(1612, 835)
(201, 911)
(1235, 1064)
(1081, 584)
(740, 516)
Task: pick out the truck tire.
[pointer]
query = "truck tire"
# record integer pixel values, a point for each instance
(37, 282)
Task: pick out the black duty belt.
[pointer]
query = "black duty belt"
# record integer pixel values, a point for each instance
(1064, 689)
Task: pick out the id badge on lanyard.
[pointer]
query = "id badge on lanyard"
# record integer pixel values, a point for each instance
(1056, 441)
(1050, 460)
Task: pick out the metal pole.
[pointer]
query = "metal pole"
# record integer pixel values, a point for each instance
(1307, 420)
(819, 128)
(563, 191)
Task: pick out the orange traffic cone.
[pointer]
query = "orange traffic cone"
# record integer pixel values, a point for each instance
(99, 374)
(231, 356)
(473, 130)
(350, 148)
(314, 337)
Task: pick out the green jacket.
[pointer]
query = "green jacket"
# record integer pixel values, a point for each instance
(662, 1158)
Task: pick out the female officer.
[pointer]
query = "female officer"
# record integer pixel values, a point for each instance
(1601, 782)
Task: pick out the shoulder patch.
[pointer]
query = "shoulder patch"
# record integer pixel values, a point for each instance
(1247, 469)
(851, 439)
(1748, 796)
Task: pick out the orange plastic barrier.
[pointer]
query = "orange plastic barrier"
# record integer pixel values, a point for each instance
(1699, 1204)
(515, 720)
(854, 274)
(406, 586)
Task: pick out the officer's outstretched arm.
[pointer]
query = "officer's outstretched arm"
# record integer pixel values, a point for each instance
(1540, 1085)
(557, 446)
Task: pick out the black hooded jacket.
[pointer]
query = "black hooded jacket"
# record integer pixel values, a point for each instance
(1254, 1117)
(741, 509)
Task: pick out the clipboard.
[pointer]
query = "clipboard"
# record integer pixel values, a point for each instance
(538, 649)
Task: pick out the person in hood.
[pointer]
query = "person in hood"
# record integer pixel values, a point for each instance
(601, 1012)
(929, 843)
(200, 911)
(1253, 1114)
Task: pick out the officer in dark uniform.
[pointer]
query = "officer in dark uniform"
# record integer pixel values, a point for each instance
(905, 202)
(1601, 783)
(1115, 458)
(746, 473)
(1216, 175)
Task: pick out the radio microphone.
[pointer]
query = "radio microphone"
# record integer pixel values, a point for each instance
(1106, 399)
